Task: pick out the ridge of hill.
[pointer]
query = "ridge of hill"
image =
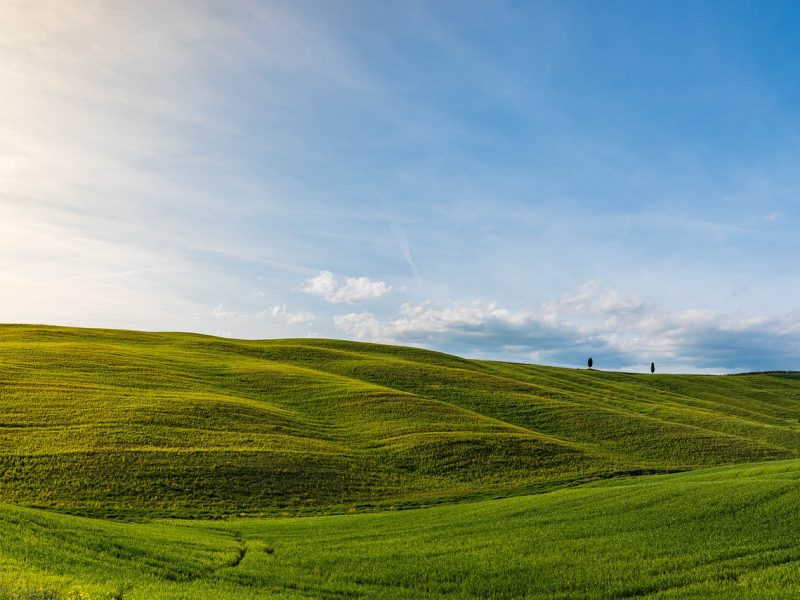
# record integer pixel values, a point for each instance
(109, 422)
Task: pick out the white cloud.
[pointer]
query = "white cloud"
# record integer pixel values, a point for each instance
(350, 291)
(422, 322)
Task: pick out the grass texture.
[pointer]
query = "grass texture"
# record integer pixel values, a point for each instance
(173, 465)
(728, 532)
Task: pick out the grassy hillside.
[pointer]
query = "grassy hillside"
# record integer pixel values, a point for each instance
(128, 423)
(722, 533)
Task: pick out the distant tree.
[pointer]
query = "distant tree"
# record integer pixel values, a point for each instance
(652, 367)
(591, 362)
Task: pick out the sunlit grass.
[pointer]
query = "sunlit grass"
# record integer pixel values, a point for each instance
(724, 533)
(531, 477)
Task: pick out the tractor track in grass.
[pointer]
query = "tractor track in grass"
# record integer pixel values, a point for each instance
(241, 552)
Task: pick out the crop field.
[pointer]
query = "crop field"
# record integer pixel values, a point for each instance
(156, 465)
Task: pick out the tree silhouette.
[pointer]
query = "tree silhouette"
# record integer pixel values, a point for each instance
(591, 362)
(652, 367)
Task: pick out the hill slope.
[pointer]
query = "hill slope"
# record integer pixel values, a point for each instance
(728, 532)
(116, 422)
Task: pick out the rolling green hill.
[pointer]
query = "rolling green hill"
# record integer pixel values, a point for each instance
(728, 532)
(122, 423)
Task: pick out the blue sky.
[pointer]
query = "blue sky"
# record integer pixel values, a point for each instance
(536, 182)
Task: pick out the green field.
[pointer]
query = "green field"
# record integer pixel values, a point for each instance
(143, 465)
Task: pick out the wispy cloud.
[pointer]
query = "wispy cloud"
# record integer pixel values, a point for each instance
(350, 290)
(400, 237)
(281, 313)
(122, 201)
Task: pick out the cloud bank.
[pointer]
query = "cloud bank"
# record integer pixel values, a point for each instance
(619, 331)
